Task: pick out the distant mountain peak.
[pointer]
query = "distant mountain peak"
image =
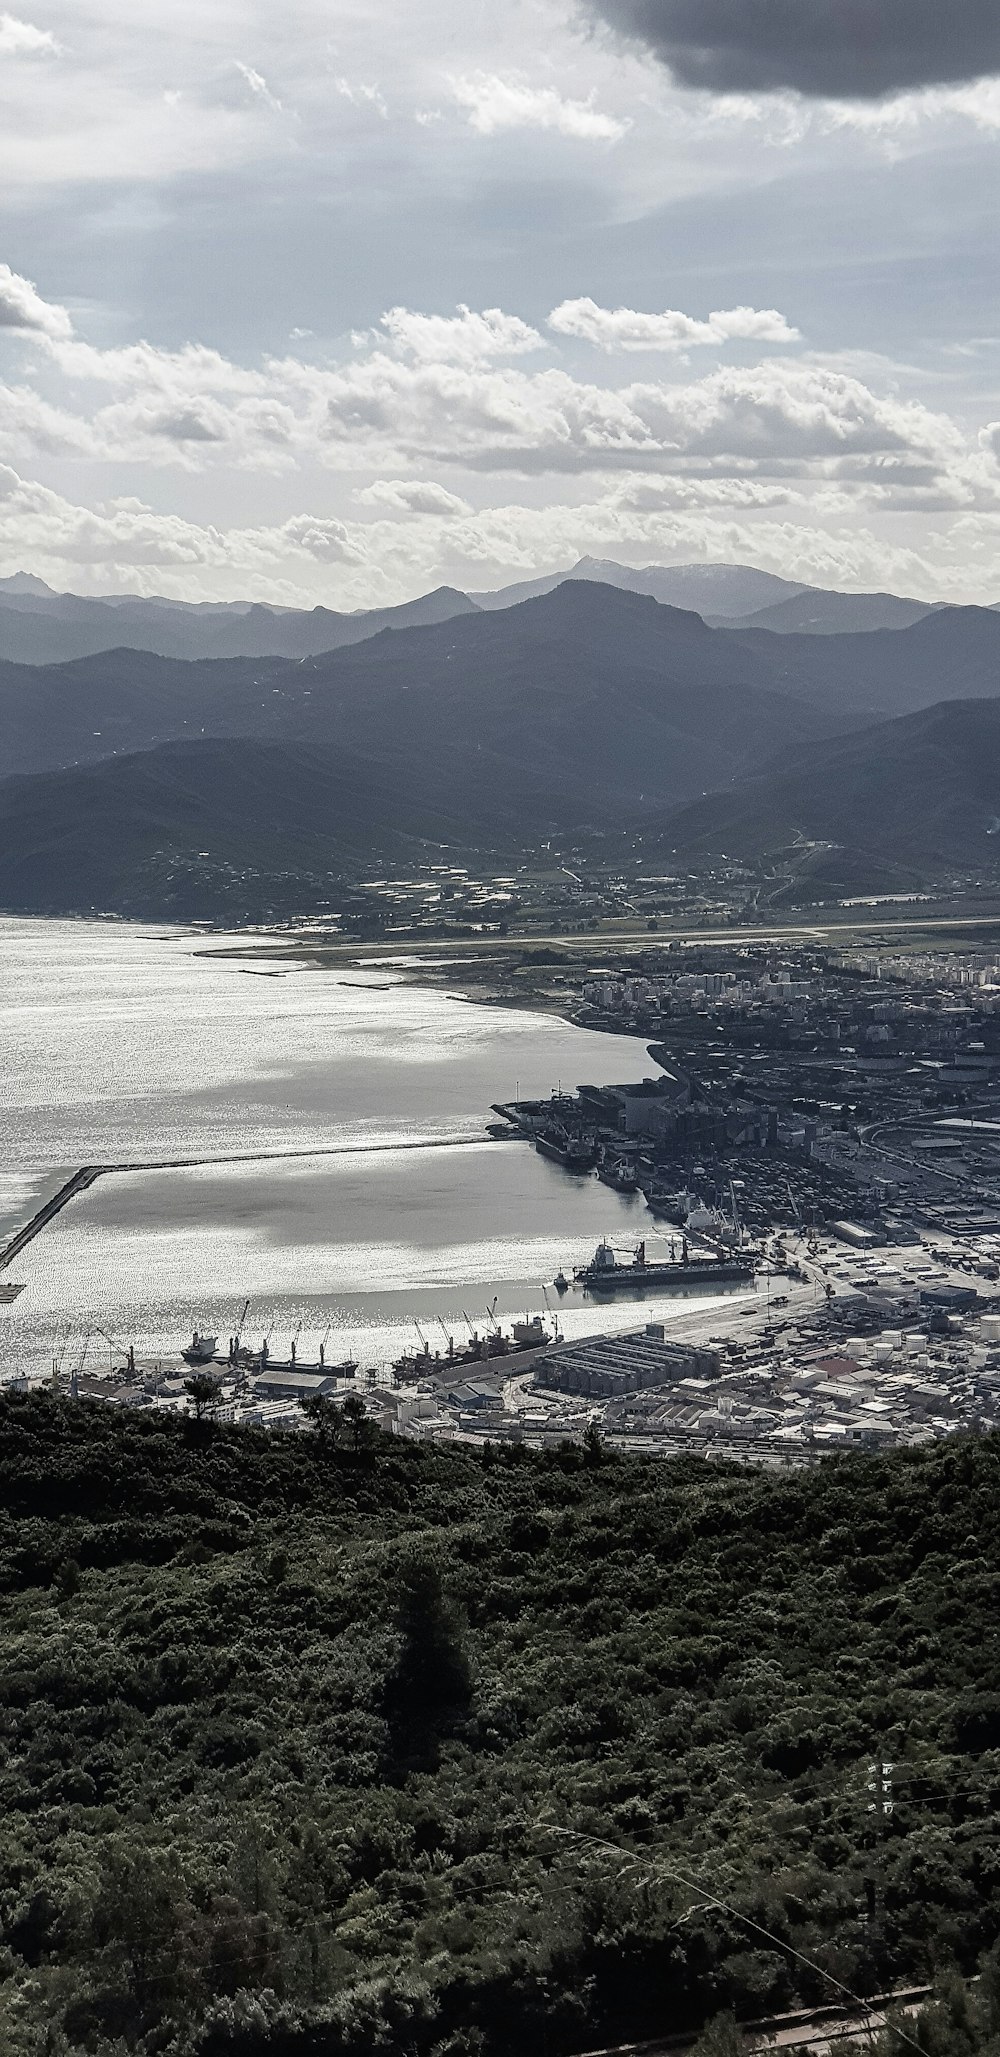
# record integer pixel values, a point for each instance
(26, 582)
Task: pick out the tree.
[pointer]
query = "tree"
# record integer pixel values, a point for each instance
(432, 1676)
(721, 2037)
(593, 1444)
(326, 1417)
(203, 1393)
(142, 1921)
(354, 1413)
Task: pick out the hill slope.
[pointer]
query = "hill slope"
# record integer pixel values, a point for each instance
(814, 613)
(298, 1727)
(720, 589)
(35, 629)
(919, 795)
(952, 653)
(584, 699)
(201, 829)
(586, 702)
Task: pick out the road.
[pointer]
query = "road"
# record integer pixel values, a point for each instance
(634, 936)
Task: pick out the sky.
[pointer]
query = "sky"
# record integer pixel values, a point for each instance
(334, 303)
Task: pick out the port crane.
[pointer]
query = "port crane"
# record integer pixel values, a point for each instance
(234, 1353)
(57, 1362)
(127, 1350)
(553, 1314)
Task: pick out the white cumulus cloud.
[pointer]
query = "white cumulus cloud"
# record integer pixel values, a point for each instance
(463, 338)
(414, 496)
(622, 328)
(22, 39)
(495, 104)
(22, 307)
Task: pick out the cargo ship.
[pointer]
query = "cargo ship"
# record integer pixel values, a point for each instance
(525, 1335)
(618, 1173)
(606, 1274)
(201, 1349)
(569, 1151)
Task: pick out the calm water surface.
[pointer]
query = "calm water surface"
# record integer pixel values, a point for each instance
(121, 1044)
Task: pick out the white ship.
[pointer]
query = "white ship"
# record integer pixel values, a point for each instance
(201, 1349)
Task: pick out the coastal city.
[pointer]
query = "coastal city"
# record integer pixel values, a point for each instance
(811, 1172)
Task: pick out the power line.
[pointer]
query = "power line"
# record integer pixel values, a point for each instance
(713, 1900)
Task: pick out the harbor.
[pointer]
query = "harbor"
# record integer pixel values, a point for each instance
(321, 1149)
(327, 1201)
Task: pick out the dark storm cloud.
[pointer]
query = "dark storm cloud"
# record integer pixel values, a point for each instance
(826, 49)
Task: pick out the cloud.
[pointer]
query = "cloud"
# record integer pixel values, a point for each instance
(361, 95)
(463, 338)
(769, 420)
(428, 391)
(257, 86)
(892, 119)
(622, 328)
(22, 307)
(495, 104)
(186, 425)
(414, 496)
(126, 545)
(22, 39)
(824, 49)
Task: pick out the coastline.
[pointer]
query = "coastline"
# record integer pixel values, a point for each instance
(509, 975)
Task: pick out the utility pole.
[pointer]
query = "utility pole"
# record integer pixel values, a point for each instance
(881, 1805)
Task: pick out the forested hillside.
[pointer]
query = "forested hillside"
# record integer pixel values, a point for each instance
(893, 805)
(290, 1728)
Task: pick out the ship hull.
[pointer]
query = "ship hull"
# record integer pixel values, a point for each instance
(664, 1278)
(463, 1361)
(570, 1160)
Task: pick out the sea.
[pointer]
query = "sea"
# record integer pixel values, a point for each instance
(310, 1140)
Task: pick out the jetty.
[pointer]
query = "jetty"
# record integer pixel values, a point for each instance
(79, 1183)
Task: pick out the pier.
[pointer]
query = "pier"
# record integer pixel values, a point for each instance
(88, 1174)
(79, 1183)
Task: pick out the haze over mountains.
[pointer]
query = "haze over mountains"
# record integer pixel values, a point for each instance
(179, 830)
(589, 708)
(725, 590)
(814, 613)
(885, 807)
(584, 699)
(39, 626)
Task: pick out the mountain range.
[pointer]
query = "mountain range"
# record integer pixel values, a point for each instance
(203, 830)
(586, 693)
(815, 613)
(40, 626)
(725, 590)
(588, 708)
(893, 806)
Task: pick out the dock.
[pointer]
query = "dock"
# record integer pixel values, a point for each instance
(88, 1174)
(79, 1183)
